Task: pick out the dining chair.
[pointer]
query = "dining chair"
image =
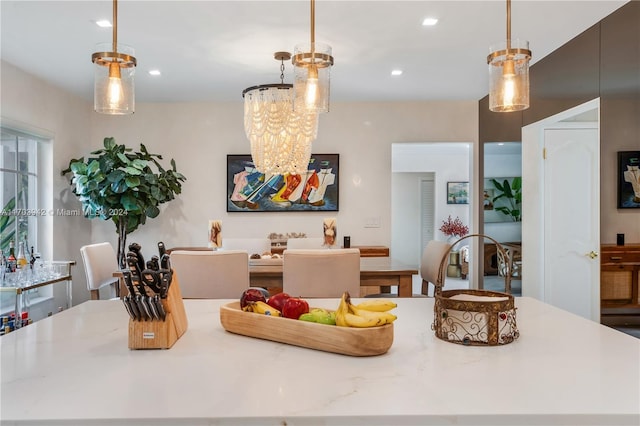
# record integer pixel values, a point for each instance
(321, 272)
(211, 274)
(250, 245)
(305, 243)
(509, 267)
(100, 262)
(430, 263)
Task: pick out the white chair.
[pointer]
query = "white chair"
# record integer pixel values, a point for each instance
(100, 262)
(250, 245)
(430, 262)
(211, 274)
(321, 272)
(305, 243)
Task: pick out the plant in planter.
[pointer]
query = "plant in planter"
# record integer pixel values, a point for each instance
(454, 228)
(120, 184)
(512, 194)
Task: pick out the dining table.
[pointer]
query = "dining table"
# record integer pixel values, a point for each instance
(381, 272)
(75, 368)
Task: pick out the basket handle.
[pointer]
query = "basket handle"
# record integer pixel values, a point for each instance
(444, 262)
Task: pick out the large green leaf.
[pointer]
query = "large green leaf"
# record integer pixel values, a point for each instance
(152, 211)
(78, 168)
(132, 181)
(129, 202)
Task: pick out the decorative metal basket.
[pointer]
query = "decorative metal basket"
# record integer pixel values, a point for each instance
(474, 317)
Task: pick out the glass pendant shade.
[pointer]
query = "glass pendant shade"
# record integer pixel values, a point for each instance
(280, 137)
(509, 76)
(113, 91)
(312, 77)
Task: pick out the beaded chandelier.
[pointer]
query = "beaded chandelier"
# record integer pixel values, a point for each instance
(280, 137)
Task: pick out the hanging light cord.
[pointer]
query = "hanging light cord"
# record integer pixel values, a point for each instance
(313, 30)
(115, 25)
(508, 24)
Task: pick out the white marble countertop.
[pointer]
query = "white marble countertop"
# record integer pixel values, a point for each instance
(75, 369)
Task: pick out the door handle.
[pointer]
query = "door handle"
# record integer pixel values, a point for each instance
(592, 254)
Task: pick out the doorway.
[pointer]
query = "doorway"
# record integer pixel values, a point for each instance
(420, 172)
(561, 201)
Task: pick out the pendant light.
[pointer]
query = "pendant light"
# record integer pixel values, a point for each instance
(509, 73)
(312, 72)
(114, 68)
(280, 137)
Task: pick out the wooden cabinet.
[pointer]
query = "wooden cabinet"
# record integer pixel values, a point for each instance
(365, 251)
(619, 281)
(373, 251)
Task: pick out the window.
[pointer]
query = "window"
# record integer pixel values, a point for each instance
(19, 202)
(18, 189)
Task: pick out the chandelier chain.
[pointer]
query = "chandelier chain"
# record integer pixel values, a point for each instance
(282, 71)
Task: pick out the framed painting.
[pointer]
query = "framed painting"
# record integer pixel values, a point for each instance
(629, 180)
(457, 192)
(248, 190)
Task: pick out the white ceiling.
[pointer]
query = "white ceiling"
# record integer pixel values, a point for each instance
(212, 50)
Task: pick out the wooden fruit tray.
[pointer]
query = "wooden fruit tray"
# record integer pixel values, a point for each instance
(340, 340)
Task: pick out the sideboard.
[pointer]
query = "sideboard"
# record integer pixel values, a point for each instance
(619, 282)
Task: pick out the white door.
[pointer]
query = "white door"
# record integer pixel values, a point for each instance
(412, 203)
(572, 220)
(427, 211)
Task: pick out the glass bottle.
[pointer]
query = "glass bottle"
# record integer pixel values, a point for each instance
(21, 260)
(11, 260)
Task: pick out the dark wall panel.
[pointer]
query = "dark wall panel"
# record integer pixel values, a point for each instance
(619, 112)
(567, 77)
(620, 71)
(498, 126)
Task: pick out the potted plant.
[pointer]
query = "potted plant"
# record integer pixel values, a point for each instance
(119, 184)
(454, 228)
(512, 194)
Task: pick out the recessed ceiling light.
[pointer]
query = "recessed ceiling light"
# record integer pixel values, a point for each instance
(501, 144)
(428, 22)
(396, 72)
(154, 72)
(104, 23)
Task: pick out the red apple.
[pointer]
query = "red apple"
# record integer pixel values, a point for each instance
(251, 295)
(277, 301)
(294, 307)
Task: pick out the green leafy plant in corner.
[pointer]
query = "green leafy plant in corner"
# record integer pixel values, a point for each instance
(511, 193)
(122, 185)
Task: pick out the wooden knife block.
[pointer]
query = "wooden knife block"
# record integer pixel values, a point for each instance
(161, 334)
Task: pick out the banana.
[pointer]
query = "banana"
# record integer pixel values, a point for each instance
(343, 309)
(262, 308)
(382, 317)
(353, 320)
(348, 315)
(376, 305)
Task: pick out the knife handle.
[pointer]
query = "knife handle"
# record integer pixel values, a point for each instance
(162, 250)
(128, 308)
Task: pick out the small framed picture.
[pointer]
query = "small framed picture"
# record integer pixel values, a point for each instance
(457, 192)
(629, 180)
